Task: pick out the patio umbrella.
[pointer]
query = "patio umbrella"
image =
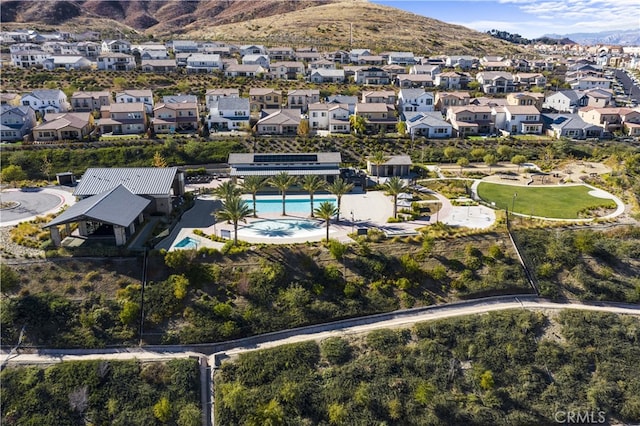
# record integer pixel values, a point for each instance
(403, 203)
(405, 196)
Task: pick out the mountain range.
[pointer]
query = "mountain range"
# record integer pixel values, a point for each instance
(325, 23)
(617, 37)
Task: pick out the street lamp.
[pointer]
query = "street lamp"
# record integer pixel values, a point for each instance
(513, 201)
(352, 221)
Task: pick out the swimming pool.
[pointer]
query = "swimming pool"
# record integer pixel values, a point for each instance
(187, 243)
(301, 206)
(283, 228)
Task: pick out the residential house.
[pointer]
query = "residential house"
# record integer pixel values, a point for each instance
(322, 64)
(371, 60)
(185, 46)
(401, 58)
(262, 60)
(471, 120)
(308, 56)
(280, 122)
(452, 80)
(527, 81)
(10, 98)
(409, 81)
(302, 98)
(445, 100)
(281, 53)
(229, 113)
(494, 63)
(339, 57)
(289, 70)
(599, 98)
(379, 96)
(159, 65)
(493, 82)
(371, 76)
(244, 71)
(355, 54)
(427, 124)
(123, 118)
(518, 119)
(463, 62)
(212, 95)
(130, 96)
(64, 126)
(46, 101)
(330, 117)
(17, 122)
(431, 70)
(379, 117)
(488, 101)
(90, 101)
(566, 101)
(323, 75)
(115, 46)
(349, 101)
(88, 49)
(28, 58)
(179, 99)
(175, 117)
(67, 62)
(116, 62)
(415, 100)
(590, 83)
(203, 63)
(150, 51)
(566, 125)
(526, 98)
(394, 71)
(253, 49)
(611, 119)
(264, 98)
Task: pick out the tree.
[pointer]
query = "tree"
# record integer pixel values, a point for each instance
(326, 210)
(490, 160)
(189, 416)
(478, 153)
(394, 187)
(46, 166)
(283, 181)
(486, 380)
(450, 153)
(303, 128)
(462, 162)
(504, 151)
(358, 124)
(401, 127)
(226, 190)
(9, 278)
(339, 187)
(518, 160)
(252, 185)
(311, 184)
(234, 209)
(337, 413)
(13, 173)
(158, 160)
(130, 312)
(162, 410)
(378, 159)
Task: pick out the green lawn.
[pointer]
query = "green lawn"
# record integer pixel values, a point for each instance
(562, 202)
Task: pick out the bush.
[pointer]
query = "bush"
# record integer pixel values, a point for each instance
(336, 350)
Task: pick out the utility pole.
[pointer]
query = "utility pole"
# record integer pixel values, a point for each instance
(351, 35)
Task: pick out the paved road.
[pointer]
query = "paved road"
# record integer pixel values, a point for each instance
(219, 351)
(629, 86)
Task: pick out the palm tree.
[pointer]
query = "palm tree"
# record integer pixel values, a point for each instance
(234, 209)
(378, 159)
(311, 184)
(252, 185)
(227, 190)
(394, 187)
(338, 188)
(326, 210)
(283, 181)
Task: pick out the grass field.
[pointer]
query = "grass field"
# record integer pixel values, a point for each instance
(562, 202)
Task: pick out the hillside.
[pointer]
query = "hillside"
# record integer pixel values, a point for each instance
(323, 23)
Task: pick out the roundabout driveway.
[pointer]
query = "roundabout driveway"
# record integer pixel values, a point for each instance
(31, 203)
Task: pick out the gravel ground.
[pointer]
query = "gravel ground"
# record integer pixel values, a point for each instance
(14, 249)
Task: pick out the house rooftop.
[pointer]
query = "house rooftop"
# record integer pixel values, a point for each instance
(138, 180)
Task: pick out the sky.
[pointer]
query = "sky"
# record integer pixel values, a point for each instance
(529, 18)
